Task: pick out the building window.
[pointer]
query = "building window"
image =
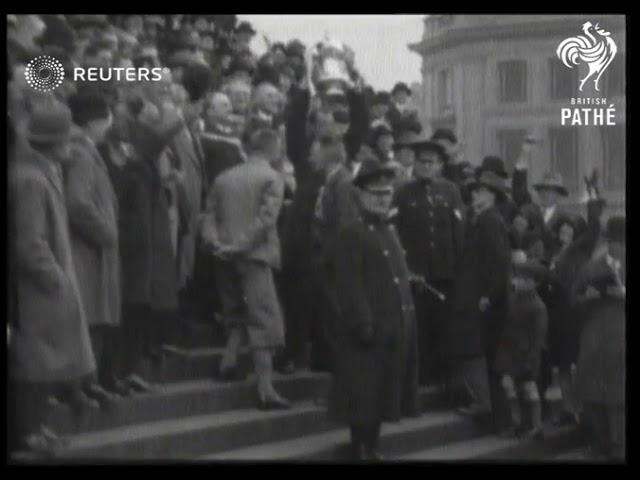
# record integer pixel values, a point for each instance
(512, 76)
(444, 92)
(564, 81)
(614, 161)
(564, 155)
(510, 145)
(613, 78)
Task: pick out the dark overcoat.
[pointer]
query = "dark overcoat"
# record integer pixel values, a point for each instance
(483, 272)
(601, 364)
(51, 341)
(378, 381)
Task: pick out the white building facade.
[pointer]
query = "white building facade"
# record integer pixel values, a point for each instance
(493, 79)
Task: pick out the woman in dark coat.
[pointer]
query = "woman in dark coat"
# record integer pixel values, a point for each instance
(375, 369)
(600, 294)
(577, 242)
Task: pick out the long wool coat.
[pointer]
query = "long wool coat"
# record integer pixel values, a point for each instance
(93, 223)
(483, 272)
(51, 341)
(379, 381)
(601, 363)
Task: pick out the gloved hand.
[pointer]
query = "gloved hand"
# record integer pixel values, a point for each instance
(365, 334)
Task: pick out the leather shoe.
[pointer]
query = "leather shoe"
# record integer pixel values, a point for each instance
(81, 403)
(139, 385)
(273, 403)
(107, 400)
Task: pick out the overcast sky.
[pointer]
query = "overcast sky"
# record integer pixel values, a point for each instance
(379, 41)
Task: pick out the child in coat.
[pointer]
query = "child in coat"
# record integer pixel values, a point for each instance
(520, 347)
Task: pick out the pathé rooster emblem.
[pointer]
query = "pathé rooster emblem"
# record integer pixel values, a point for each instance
(597, 51)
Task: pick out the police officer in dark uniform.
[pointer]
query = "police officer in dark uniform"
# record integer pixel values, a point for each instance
(375, 377)
(429, 222)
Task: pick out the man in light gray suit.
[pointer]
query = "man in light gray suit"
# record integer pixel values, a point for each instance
(239, 227)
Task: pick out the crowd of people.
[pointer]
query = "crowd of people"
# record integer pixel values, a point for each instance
(318, 222)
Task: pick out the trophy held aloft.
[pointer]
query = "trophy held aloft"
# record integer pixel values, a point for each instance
(330, 70)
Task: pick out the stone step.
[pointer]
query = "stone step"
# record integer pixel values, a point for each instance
(186, 399)
(181, 364)
(430, 429)
(190, 437)
(189, 334)
(492, 447)
(197, 435)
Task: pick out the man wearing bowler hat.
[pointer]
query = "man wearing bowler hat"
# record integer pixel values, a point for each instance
(429, 222)
(375, 370)
(480, 292)
(400, 108)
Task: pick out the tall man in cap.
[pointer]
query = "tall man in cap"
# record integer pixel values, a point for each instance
(481, 292)
(375, 376)
(430, 224)
(50, 342)
(239, 227)
(93, 223)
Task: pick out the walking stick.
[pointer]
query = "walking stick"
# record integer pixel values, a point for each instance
(420, 280)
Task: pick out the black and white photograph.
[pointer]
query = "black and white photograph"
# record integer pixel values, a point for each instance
(316, 238)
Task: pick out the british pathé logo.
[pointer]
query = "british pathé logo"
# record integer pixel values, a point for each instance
(595, 48)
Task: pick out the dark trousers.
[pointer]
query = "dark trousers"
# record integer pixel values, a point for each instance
(606, 425)
(107, 349)
(137, 337)
(433, 316)
(303, 317)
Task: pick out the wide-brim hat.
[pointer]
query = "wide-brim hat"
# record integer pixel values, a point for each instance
(425, 144)
(492, 181)
(401, 86)
(552, 181)
(493, 164)
(381, 98)
(406, 139)
(50, 124)
(616, 229)
(245, 27)
(371, 170)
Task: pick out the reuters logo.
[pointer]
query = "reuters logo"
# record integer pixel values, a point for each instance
(44, 73)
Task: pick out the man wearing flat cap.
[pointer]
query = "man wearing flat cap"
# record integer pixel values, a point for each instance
(480, 293)
(430, 224)
(374, 364)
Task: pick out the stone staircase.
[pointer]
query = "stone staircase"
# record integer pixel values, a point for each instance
(191, 417)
